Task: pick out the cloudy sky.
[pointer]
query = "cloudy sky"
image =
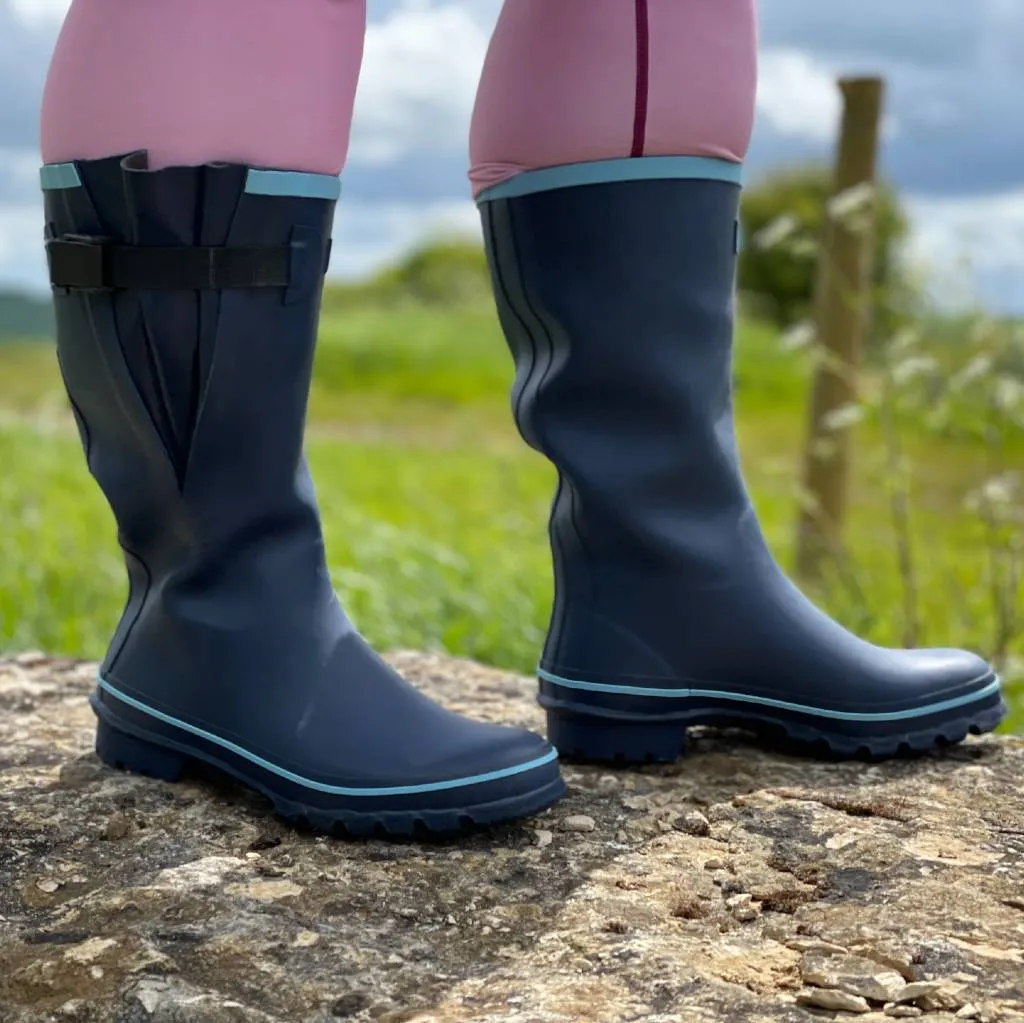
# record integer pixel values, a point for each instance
(955, 133)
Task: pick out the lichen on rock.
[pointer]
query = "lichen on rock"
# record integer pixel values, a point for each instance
(736, 885)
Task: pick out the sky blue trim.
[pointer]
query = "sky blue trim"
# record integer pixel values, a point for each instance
(295, 183)
(334, 790)
(764, 701)
(59, 175)
(600, 172)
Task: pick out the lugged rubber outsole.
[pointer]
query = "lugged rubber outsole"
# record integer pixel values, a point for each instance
(602, 739)
(123, 751)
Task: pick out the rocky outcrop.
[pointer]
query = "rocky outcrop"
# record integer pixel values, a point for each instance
(736, 885)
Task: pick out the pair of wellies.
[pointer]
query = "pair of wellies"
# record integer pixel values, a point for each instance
(187, 303)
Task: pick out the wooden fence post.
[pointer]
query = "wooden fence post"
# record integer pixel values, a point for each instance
(842, 308)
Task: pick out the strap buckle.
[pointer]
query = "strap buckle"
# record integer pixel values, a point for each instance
(79, 261)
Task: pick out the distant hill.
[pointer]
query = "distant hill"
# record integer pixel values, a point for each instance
(24, 316)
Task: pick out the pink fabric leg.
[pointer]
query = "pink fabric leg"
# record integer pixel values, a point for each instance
(570, 81)
(269, 83)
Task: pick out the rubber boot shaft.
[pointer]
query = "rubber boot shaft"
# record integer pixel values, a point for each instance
(233, 649)
(617, 300)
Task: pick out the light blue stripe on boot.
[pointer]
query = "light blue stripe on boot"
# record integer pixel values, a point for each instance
(54, 176)
(59, 175)
(601, 172)
(336, 790)
(293, 183)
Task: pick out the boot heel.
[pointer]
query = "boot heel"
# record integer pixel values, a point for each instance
(125, 752)
(626, 742)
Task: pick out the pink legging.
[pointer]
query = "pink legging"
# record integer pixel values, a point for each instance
(271, 83)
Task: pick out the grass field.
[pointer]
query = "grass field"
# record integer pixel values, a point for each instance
(435, 510)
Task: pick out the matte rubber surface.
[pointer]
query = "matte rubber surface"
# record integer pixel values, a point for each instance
(190, 390)
(622, 737)
(169, 760)
(617, 299)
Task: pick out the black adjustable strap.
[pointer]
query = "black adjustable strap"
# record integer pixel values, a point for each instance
(96, 264)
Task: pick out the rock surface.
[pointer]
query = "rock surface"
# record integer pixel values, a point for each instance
(737, 885)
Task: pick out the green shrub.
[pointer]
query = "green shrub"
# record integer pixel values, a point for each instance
(442, 272)
(780, 278)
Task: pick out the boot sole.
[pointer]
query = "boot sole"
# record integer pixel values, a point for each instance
(132, 749)
(616, 730)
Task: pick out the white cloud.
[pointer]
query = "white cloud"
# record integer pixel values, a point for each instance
(40, 11)
(797, 95)
(972, 248)
(19, 171)
(418, 81)
(368, 235)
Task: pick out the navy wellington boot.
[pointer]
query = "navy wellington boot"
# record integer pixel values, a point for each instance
(187, 302)
(616, 297)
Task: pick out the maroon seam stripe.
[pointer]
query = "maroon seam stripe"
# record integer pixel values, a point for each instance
(643, 68)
